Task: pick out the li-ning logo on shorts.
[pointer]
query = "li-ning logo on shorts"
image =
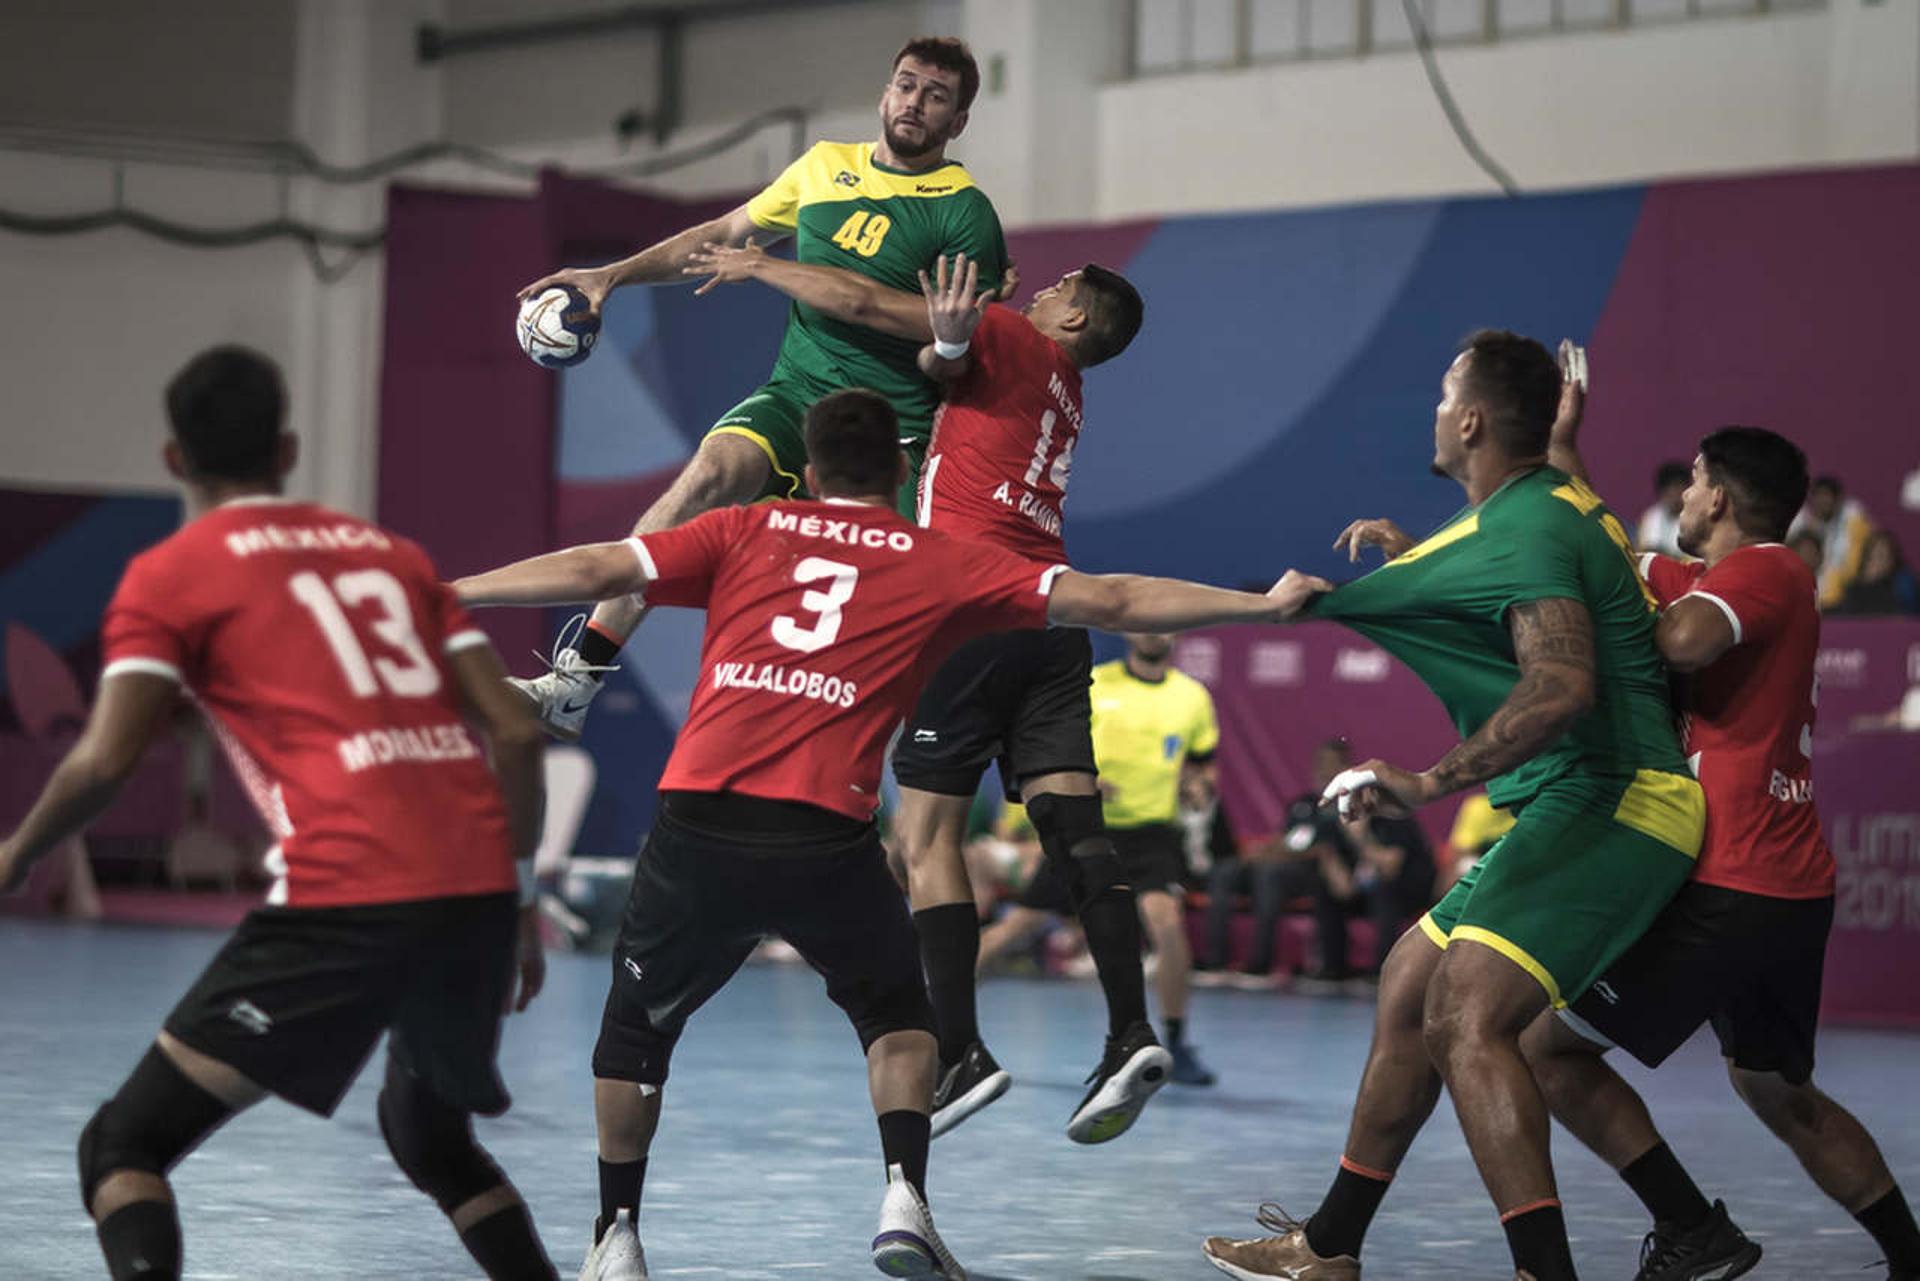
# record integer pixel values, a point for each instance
(633, 967)
(251, 1017)
(926, 736)
(1606, 994)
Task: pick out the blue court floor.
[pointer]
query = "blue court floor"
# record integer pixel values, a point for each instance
(767, 1163)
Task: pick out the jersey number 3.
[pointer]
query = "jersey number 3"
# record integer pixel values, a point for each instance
(827, 603)
(414, 676)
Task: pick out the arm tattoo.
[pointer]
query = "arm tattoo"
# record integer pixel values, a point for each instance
(1553, 643)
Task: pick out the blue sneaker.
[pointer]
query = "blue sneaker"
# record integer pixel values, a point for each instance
(1187, 1067)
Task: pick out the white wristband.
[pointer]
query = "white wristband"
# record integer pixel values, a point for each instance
(529, 887)
(950, 350)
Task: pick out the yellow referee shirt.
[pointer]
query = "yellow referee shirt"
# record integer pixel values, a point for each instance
(1143, 732)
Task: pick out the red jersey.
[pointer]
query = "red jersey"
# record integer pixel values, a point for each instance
(316, 644)
(1748, 722)
(824, 619)
(1003, 441)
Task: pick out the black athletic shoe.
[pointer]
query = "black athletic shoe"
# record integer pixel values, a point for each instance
(1715, 1250)
(1134, 1066)
(966, 1087)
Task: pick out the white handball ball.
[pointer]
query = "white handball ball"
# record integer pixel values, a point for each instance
(557, 327)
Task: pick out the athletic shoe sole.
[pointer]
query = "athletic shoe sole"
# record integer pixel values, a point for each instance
(1241, 1274)
(904, 1254)
(966, 1105)
(1738, 1266)
(1112, 1112)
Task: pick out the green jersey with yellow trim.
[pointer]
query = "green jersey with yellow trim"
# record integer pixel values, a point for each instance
(846, 210)
(1441, 608)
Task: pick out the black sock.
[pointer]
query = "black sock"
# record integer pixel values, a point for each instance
(1340, 1224)
(1176, 1031)
(950, 949)
(1666, 1189)
(142, 1241)
(597, 648)
(505, 1247)
(1112, 924)
(620, 1184)
(904, 1138)
(1890, 1221)
(1538, 1239)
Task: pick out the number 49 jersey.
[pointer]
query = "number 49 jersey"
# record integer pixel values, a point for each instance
(1003, 442)
(1749, 721)
(824, 619)
(317, 645)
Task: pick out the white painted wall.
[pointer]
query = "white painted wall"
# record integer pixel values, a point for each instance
(1838, 86)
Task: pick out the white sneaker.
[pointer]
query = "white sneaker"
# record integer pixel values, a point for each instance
(905, 1245)
(617, 1255)
(562, 694)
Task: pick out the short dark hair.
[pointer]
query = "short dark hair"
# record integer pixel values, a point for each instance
(1672, 473)
(1516, 382)
(853, 442)
(949, 53)
(227, 408)
(1114, 311)
(1764, 471)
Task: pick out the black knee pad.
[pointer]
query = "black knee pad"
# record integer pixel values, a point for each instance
(158, 1116)
(432, 1141)
(1074, 836)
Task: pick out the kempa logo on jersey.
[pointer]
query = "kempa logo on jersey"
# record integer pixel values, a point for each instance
(925, 190)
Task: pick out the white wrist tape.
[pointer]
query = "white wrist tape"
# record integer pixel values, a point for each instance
(1345, 784)
(950, 350)
(529, 887)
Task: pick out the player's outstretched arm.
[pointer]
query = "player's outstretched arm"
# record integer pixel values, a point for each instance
(844, 295)
(955, 306)
(130, 709)
(514, 737)
(1693, 632)
(1136, 603)
(1563, 447)
(658, 264)
(578, 575)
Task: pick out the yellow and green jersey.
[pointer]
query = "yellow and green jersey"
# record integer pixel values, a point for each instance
(1441, 608)
(1143, 733)
(845, 210)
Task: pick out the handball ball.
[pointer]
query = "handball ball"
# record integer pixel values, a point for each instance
(556, 327)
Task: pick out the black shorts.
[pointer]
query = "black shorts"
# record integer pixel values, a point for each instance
(1019, 697)
(1748, 963)
(298, 998)
(704, 896)
(1154, 857)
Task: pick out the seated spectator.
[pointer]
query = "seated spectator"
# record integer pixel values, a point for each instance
(1274, 871)
(1660, 523)
(1885, 584)
(1842, 526)
(1476, 827)
(1382, 869)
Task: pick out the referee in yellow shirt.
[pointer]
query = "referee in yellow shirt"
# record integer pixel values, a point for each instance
(1153, 732)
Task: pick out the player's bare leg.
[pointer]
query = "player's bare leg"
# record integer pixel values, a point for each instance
(900, 1077)
(625, 1116)
(725, 470)
(1398, 1090)
(931, 828)
(1478, 1005)
(1690, 1236)
(1166, 925)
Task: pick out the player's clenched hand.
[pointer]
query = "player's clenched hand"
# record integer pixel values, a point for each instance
(530, 959)
(591, 281)
(955, 302)
(1294, 590)
(724, 264)
(1378, 532)
(1376, 787)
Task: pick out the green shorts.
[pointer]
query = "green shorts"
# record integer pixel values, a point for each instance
(774, 417)
(1586, 867)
